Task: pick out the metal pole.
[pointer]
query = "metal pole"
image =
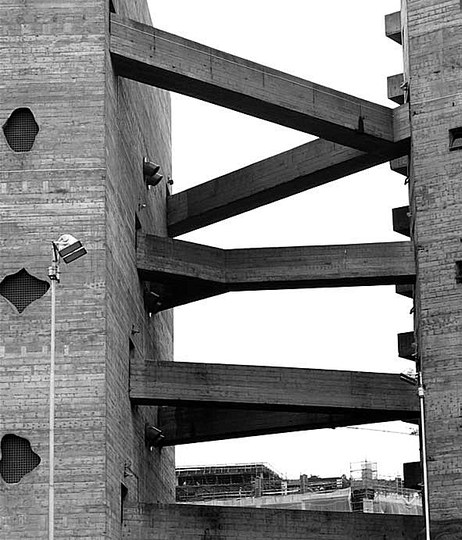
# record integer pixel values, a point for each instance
(421, 392)
(53, 274)
(52, 414)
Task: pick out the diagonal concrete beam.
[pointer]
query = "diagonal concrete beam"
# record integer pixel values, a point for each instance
(269, 388)
(208, 402)
(302, 168)
(151, 56)
(187, 272)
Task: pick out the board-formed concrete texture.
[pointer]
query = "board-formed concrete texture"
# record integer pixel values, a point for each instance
(84, 99)
(194, 522)
(82, 175)
(433, 48)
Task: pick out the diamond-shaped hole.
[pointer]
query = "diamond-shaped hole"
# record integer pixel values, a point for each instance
(21, 289)
(18, 458)
(20, 130)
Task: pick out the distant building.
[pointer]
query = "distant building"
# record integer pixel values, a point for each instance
(258, 485)
(227, 481)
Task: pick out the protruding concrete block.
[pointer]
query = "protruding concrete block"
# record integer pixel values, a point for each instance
(401, 222)
(400, 165)
(407, 345)
(393, 26)
(412, 473)
(405, 290)
(395, 89)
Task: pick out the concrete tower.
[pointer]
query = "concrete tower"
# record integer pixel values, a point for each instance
(72, 147)
(432, 39)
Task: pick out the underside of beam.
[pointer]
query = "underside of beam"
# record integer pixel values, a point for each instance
(157, 58)
(302, 168)
(181, 272)
(161, 521)
(187, 425)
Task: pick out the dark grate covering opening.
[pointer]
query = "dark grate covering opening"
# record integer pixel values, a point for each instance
(18, 458)
(20, 130)
(458, 271)
(21, 289)
(455, 139)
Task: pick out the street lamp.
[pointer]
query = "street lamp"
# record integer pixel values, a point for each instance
(416, 379)
(68, 249)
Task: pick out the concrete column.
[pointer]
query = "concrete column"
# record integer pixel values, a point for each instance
(433, 43)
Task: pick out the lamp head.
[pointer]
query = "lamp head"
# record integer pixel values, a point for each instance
(153, 436)
(69, 248)
(408, 377)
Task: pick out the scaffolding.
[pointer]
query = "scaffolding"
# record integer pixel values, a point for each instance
(370, 494)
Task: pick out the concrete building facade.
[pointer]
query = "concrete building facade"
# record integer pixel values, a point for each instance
(85, 116)
(83, 175)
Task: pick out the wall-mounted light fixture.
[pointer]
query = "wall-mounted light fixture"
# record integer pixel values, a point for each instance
(409, 377)
(151, 173)
(69, 248)
(153, 436)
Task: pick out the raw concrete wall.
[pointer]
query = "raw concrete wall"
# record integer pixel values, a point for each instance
(434, 31)
(83, 176)
(53, 62)
(138, 125)
(194, 522)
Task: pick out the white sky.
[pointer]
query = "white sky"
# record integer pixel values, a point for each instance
(338, 44)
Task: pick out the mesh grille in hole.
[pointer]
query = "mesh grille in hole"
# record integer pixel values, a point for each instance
(20, 130)
(18, 458)
(21, 289)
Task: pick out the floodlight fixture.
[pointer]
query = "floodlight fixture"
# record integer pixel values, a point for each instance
(409, 377)
(69, 248)
(151, 172)
(153, 436)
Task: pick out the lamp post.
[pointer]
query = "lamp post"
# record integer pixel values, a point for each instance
(421, 393)
(69, 249)
(417, 379)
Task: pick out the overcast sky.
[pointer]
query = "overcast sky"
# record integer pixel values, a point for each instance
(342, 45)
